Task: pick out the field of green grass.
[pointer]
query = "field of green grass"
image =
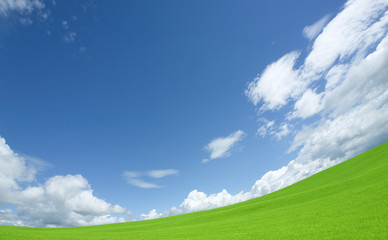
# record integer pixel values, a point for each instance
(347, 201)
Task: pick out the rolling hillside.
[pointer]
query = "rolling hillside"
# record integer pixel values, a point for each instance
(347, 201)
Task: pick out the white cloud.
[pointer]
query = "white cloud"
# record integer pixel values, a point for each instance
(132, 174)
(270, 182)
(150, 215)
(220, 147)
(363, 81)
(352, 110)
(13, 170)
(25, 6)
(357, 110)
(205, 160)
(65, 201)
(336, 75)
(270, 128)
(310, 32)
(7, 217)
(266, 128)
(308, 105)
(283, 131)
(141, 183)
(353, 106)
(162, 173)
(353, 30)
(133, 177)
(277, 84)
(60, 201)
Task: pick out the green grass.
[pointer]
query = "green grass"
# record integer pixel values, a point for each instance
(347, 201)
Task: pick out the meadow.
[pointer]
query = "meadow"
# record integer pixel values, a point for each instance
(347, 201)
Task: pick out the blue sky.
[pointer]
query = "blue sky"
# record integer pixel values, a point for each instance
(114, 111)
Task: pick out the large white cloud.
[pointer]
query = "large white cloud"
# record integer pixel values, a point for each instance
(13, 170)
(352, 31)
(350, 58)
(60, 201)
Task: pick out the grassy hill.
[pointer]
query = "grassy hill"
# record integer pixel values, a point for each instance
(347, 201)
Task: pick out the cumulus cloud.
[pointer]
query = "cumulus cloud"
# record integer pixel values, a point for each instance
(310, 32)
(150, 215)
(277, 84)
(220, 147)
(134, 177)
(66, 201)
(350, 58)
(60, 201)
(7, 217)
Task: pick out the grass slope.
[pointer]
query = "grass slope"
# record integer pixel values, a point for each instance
(347, 201)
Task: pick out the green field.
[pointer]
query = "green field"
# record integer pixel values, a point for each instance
(347, 201)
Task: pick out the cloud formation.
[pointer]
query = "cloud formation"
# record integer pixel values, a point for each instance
(133, 177)
(220, 147)
(342, 83)
(277, 84)
(266, 128)
(24, 6)
(60, 201)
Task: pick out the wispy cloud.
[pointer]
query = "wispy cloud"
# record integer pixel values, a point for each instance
(69, 37)
(310, 32)
(26, 6)
(220, 147)
(162, 173)
(141, 184)
(134, 177)
(266, 127)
